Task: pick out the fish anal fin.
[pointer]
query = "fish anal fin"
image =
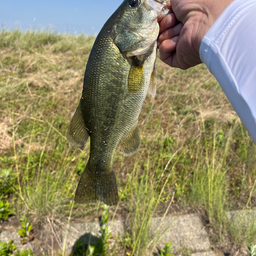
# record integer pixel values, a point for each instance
(97, 185)
(77, 134)
(153, 82)
(131, 143)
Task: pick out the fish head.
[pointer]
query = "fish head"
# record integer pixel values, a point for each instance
(136, 28)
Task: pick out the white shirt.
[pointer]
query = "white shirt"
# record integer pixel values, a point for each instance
(229, 51)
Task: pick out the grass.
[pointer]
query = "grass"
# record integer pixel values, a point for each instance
(192, 143)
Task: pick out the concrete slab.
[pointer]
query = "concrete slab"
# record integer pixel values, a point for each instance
(210, 253)
(182, 231)
(89, 233)
(243, 218)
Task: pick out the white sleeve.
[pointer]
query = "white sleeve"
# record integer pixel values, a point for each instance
(229, 51)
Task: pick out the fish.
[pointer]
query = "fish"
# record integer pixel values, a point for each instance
(119, 72)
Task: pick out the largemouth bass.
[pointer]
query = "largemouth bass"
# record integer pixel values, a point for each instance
(118, 74)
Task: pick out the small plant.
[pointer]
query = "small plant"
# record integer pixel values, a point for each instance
(7, 248)
(127, 241)
(25, 252)
(166, 250)
(26, 230)
(7, 181)
(252, 250)
(5, 210)
(105, 234)
(101, 248)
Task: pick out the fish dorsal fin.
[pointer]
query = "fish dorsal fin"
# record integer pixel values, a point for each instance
(152, 84)
(131, 143)
(77, 133)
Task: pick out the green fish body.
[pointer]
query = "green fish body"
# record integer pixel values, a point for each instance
(118, 73)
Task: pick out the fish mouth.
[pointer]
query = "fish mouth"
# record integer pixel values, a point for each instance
(161, 6)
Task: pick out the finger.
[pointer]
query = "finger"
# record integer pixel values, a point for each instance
(167, 47)
(172, 60)
(170, 33)
(167, 22)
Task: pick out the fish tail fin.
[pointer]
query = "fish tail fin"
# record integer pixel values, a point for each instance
(97, 185)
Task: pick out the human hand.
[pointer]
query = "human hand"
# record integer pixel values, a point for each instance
(182, 31)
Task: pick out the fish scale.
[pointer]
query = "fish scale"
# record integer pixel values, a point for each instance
(118, 73)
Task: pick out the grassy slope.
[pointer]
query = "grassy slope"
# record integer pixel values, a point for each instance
(214, 169)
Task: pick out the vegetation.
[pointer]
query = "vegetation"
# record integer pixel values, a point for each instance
(26, 230)
(192, 143)
(252, 250)
(166, 250)
(5, 210)
(9, 249)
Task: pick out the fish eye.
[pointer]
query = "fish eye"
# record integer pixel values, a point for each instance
(134, 3)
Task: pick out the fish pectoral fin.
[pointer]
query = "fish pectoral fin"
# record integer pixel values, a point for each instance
(135, 79)
(152, 85)
(97, 185)
(77, 134)
(131, 143)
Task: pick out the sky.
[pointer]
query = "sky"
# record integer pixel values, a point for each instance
(62, 16)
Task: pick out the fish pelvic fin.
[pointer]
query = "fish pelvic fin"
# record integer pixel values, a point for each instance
(97, 185)
(77, 134)
(153, 82)
(131, 143)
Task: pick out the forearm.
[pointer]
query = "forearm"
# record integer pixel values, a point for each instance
(228, 50)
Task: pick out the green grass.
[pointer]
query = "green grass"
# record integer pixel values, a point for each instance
(192, 143)
(9, 249)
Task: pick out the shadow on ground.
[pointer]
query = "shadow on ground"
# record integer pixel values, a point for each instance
(82, 243)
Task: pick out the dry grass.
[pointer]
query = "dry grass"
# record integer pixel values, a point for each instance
(5, 138)
(41, 78)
